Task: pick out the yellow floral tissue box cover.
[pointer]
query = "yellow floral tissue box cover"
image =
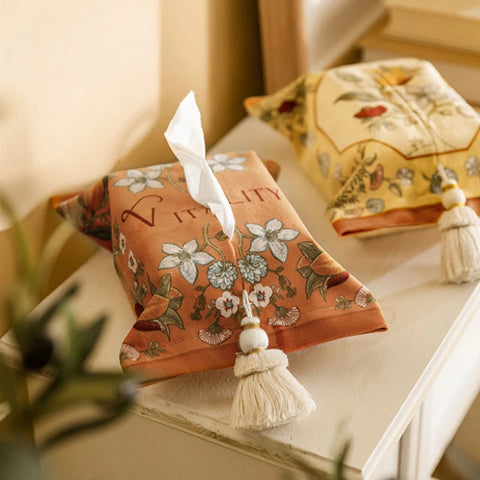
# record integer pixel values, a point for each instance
(371, 137)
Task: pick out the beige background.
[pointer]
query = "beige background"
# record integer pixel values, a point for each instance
(89, 87)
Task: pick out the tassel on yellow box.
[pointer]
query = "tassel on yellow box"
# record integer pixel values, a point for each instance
(460, 227)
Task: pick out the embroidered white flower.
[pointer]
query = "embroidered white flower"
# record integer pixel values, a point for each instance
(324, 163)
(227, 304)
(307, 139)
(160, 167)
(363, 297)
(260, 295)
(222, 274)
(122, 243)
(425, 95)
(214, 334)
(284, 317)
(405, 176)
(253, 268)
(186, 258)
(137, 180)
(130, 352)
(222, 162)
(338, 174)
(132, 262)
(472, 165)
(272, 237)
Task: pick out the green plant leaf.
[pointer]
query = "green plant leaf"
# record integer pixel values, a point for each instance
(82, 426)
(19, 461)
(96, 388)
(48, 314)
(340, 462)
(81, 341)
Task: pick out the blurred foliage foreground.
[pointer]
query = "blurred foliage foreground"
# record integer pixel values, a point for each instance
(53, 344)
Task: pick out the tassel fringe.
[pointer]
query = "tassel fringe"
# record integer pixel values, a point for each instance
(267, 395)
(460, 227)
(460, 245)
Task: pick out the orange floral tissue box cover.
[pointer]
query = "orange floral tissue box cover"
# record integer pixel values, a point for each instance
(371, 137)
(184, 278)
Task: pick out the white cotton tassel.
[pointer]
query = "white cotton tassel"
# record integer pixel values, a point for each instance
(267, 395)
(460, 227)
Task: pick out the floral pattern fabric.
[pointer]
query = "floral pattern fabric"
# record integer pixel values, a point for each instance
(371, 136)
(185, 278)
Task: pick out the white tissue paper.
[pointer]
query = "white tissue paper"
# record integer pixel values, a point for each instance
(185, 137)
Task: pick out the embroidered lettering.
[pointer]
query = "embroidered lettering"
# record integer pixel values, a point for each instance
(246, 196)
(256, 190)
(189, 211)
(233, 203)
(131, 212)
(274, 193)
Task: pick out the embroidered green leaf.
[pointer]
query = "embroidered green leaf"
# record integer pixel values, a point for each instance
(102, 233)
(175, 303)
(153, 288)
(81, 201)
(283, 281)
(361, 96)
(305, 271)
(370, 160)
(348, 77)
(309, 250)
(195, 315)
(153, 350)
(165, 284)
(396, 189)
(170, 317)
(315, 282)
(343, 303)
(105, 196)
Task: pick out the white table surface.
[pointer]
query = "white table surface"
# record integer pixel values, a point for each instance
(367, 388)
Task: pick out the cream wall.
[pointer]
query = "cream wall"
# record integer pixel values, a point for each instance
(88, 87)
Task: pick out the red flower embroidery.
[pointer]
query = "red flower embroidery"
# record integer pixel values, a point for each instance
(367, 112)
(287, 106)
(376, 178)
(338, 279)
(403, 81)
